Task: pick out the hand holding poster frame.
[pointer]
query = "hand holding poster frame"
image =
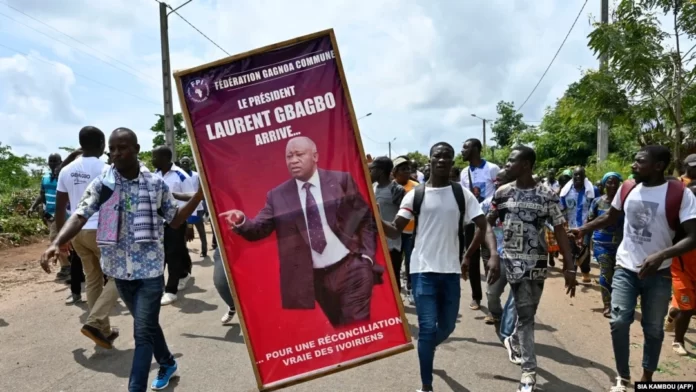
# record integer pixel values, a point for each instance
(279, 153)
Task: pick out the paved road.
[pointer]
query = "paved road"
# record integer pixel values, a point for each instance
(42, 349)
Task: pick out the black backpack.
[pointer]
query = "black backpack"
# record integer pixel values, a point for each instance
(458, 196)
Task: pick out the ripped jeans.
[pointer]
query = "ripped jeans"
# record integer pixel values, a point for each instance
(655, 292)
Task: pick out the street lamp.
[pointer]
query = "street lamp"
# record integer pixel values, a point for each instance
(390, 142)
(484, 128)
(367, 115)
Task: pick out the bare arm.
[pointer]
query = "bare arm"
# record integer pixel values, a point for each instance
(564, 245)
(39, 200)
(61, 207)
(604, 220)
(189, 208)
(395, 228)
(69, 230)
(183, 196)
(482, 233)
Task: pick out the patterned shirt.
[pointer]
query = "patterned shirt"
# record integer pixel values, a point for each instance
(524, 213)
(610, 235)
(147, 258)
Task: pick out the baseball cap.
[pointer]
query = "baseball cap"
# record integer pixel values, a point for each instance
(401, 160)
(690, 160)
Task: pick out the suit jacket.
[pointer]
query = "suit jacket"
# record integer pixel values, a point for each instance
(347, 213)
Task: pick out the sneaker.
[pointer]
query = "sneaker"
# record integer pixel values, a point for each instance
(410, 298)
(475, 305)
(669, 324)
(227, 318)
(74, 299)
(679, 349)
(620, 385)
(96, 336)
(513, 353)
(527, 382)
(183, 282)
(586, 279)
(490, 319)
(168, 298)
(64, 273)
(164, 375)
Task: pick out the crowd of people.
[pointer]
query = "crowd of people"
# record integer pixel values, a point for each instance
(641, 232)
(106, 230)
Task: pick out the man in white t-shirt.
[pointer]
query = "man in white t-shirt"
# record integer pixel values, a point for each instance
(176, 254)
(435, 261)
(645, 255)
(196, 219)
(479, 178)
(72, 182)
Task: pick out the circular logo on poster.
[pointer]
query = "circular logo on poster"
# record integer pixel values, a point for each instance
(198, 90)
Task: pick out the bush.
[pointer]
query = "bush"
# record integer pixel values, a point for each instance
(15, 225)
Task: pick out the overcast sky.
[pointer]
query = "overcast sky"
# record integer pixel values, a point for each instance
(421, 67)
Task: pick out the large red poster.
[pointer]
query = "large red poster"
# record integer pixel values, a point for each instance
(276, 143)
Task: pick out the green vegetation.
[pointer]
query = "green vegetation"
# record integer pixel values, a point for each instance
(20, 178)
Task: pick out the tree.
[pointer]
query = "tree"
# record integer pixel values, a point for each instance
(650, 71)
(183, 147)
(508, 123)
(419, 158)
(16, 171)
(567, 136)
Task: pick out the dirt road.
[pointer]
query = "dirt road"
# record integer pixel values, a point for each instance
(42, 349)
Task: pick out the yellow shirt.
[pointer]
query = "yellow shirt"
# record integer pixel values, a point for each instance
(412, 224)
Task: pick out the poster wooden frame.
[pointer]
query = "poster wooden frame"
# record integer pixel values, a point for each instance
(213, 213)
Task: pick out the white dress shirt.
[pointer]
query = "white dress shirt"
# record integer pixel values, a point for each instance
(178, 181)
(335, 251)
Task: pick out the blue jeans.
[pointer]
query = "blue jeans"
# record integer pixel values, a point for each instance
(142, 298)
(508, 320)
(437, 305)
(407, 248)
(655, 292)
(220, 279)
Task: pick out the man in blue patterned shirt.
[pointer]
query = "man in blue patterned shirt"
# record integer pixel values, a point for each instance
(131, 201)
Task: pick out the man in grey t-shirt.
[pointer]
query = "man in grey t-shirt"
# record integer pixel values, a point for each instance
(388, 194)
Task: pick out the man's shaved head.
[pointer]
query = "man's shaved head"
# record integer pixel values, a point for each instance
(124, 149)
(301, 157)
(301, 142)
(125, 133)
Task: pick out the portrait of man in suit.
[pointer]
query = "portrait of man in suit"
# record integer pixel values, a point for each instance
(642, 214)
(326, 235)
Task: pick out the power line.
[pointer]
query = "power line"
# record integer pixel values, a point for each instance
(80, 75)
(554, 56)
(72, 38)
(196, 28)
(371, 139)
(70, 46)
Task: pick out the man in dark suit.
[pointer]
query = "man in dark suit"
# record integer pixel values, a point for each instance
(326, 234)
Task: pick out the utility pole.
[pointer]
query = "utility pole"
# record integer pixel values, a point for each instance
(167, 81)
(483, 120)
(603, 126)
(390, 142)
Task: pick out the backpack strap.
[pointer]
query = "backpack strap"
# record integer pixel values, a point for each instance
(626, 188)
(471, 182)
(461, 202)
(418, 196)
(673, 200)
